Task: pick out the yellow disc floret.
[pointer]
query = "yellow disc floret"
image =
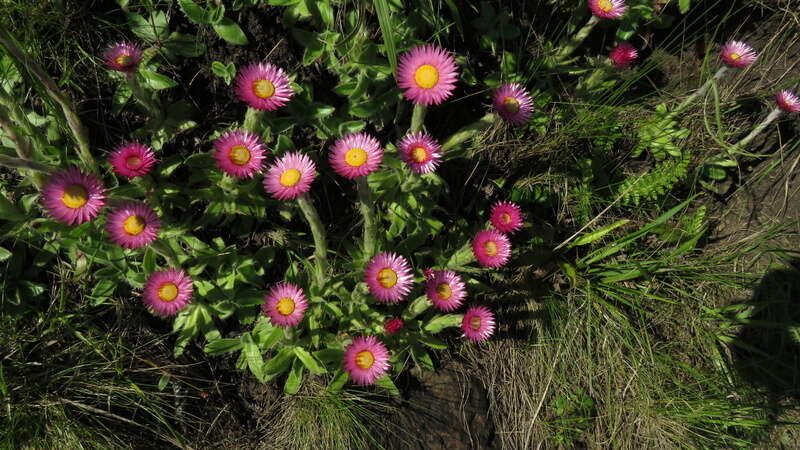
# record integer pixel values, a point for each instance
(444, 291)
(285, 306)
(387, 277)
(239, 155)
(426, 76)
(133, 225)
(355, 157)
(263, 88)
(419, 154)
(168, 292)
(365, 359)
(605, 5)
(124, 60)
(75, 196)
(511, 105)
(475, 323)
(490, 247)
(290, 177)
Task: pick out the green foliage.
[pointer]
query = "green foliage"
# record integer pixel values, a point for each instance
(652, 185)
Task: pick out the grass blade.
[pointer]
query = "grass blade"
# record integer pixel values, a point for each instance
(385, 21)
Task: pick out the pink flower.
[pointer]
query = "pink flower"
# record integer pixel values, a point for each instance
(168, 291)
(738, 54)
(389, 278)
(420, 151)
(73, 197)
(132, 159)
(513, 103)
(788, 101)
(392, 326)
(123, 56)
(355, 155)
(239, 153)
(623, 55)
(478, 323)
(132, 225)
(263, 86)
(506, 217)
(366, 359)
(428, 272)
(428, 74)
(285, 305)
(290, 176)
(491, 248)
(608, 9)
(445, 290)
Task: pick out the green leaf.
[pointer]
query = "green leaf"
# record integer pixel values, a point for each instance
(437, 324)
(228, 30)
(417, 307)
(226, 72)
(149, 260)
(387, 383)
(432, 342)
(156, 80)
(596, 235)
(152, 30)
(223, 346)
(387, 31)
(162, 382)
(295, 378)
(8, 211)
(337, 383)
(330, 355)
(184, 45)
(4, 254)
(278, 363)
(684, 5)
(309, 361)
(198, 14)
(253, 356)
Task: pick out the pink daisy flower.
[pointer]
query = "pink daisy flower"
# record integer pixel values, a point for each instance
(168, 291)
(285, 305)
(263, 86)
(123, 56)
(132, 159)
(623, 55)
(445, 290)
(506, 217)
(132, 225)
(355, 155)
(366, 359)
(239, 153)
(491, 248)
(788, 101)
(389, 278)
(73, 197)
(608, 9)
(392, 326)
(738, 54)
(290, 176)
(513, 103)
(428, 273)
(420, 151)
(428, 74)
(478, 323)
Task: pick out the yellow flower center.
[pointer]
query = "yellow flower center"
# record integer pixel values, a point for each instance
(475, 323)
(365, 359)
(511, 105)
(387, 277)
(490, 247)
(133, 161)
(263, 88)
(74, 196)
(355, 157)
(419, 154)
(426, 76)
(285, 306)
(290, 177)
(735, 56)
(444, 291)
(505, 217)
(239, 155)
(133, 225)
(605, 5)
(168, 292)
(123, 60)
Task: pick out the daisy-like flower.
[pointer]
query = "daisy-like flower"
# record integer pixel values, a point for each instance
(513, 103)
(392, 326)
(478, 323)
(445, 290)
(491, 248)
(132, 159)
(290, 176)
(133, 225)
(285, 305)
(239, 153)
(123, 56)
(623, 55)
(506, 217)
(355, 155)
(420, 151)
(389, 277)
(73, 197)
(738, 54)
(608, 9)
(428, 74)
(366, 359)
(788, 101)
(263, 86)
(168, 291)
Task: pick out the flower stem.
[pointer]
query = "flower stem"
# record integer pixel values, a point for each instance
(698, 93)
(19, 163)
(467, 132)
(252, 120)
(568, 48)
(365, 201)
(318, 232)
(417, 118)
(147, 101)
(773, 115)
